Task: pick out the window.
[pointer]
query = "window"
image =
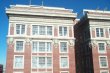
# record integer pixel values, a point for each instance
(64, 62)
(19, 46)
(20, 29)
(101, 47)
(103, 62)
(63, 46)
(104, 71)
(41, 30)
(41, 46)
(41, 62)
(62, 31)
(64, 72)
(18, 62)
(99, 32)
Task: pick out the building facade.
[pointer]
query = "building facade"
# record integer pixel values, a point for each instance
(40, 40)
(1, 68)
(92, 45)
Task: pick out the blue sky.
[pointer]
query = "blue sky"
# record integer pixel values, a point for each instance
(76, 5)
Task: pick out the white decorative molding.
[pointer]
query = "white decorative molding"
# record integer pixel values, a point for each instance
(10, 40)
(71, 42)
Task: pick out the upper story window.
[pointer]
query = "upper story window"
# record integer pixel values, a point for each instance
(20, 29)
(41, 47)
(64, 62)
(41, 62)
(63, 47)
(18, 62)
(101, 47)
(103, 62)
(99, 32)
(41, 30)
(62, 31)
(104, 71)
(19, 46)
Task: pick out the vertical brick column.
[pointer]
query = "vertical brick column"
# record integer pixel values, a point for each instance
(11, 28)
(29, 29)
(27, 57)
(71, 54)
(106, 33)
(56, 58)
(56, 31)
(93, 32)
(70, 31)
(10, 58)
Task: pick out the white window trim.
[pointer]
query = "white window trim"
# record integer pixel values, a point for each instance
(45, 61)
(25, 29)
(17, 72)
(42, 41)
(23, 45)
(64, 71)
(38, 30)
(60, 62)
(104, 71)
(14, 62)
(67, 31)
(103, 31)
(67, 47)
(100, 62)
(104, 47)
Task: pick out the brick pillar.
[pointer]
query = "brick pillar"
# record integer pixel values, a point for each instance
(71, 54)
(93, 32)
(10, 58)
(56, 58)
(27, 58)
(70, 31)
(55, 31)
(106, 33)
(11, 29)
(28, 30)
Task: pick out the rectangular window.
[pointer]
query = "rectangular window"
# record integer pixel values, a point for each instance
(99, 32)
(19, 46)
(62, 31)
(104, 71)
(20, 29)
(103, 62)
(64, 62)
(101, 47)
(41, 47)
(18, 62)
(41, 62)
(41, 30)
(63, 46)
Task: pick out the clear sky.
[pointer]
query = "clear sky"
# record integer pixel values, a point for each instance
(76, 5)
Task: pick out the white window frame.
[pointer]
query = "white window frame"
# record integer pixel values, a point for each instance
(106, 62)
(67, 31)
(99, 32)
(64, 71)
(14, 62)
(23, 45)
(66, 45)
(45, 62)
(20, 29)
(104, 71)
(45, 49)
(45, 30)
(17, 72)
(104, 47)
(67, 60)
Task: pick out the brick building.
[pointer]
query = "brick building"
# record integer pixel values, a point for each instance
(40, 40)
(92, 45)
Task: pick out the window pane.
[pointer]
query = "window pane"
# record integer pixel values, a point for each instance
(41, 61)
(49, 61)
(17, 29)
(48, 46)
(18, 61)
(34, 62)
(35, 30)
(19, 46)
(41, 46)
(42, 30)
(101, 32)
(60, 31)
(49, 30)
(22, 29)
(63, 46)
(65, 31)
(35, 46)
(97, 32)
(101, 47)
(64, 62)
